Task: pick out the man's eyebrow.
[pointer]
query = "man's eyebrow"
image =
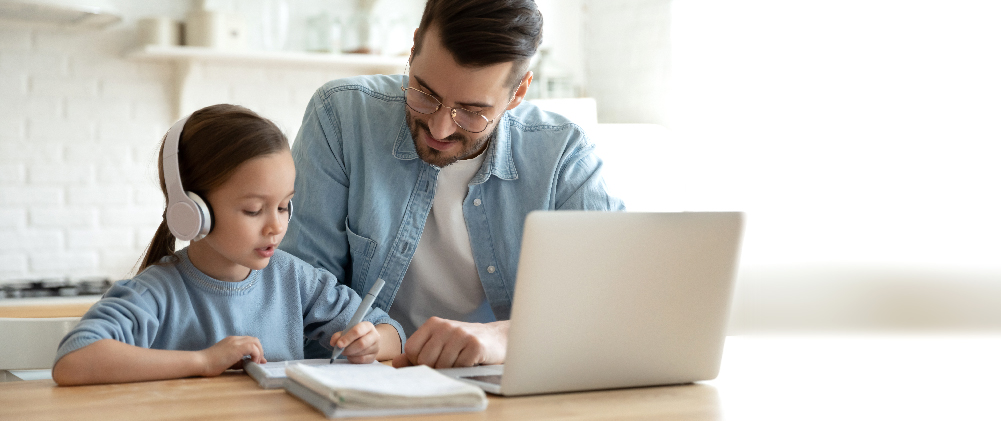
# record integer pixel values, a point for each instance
(461, 104)
(426, 87)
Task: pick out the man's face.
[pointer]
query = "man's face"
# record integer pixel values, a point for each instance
(438, 140)
(458, 145)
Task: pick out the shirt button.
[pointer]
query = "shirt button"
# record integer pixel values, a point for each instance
(491, 269)
(476, 202)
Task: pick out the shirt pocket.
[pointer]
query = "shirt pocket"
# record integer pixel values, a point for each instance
(362, 252)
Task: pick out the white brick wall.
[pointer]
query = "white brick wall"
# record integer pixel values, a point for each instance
(79, 131)
(13, 265)
(63, 217)
(13, 218)
(105, 238)
(80, 127)
(56, 264)
(19, 196)
(278, 92)
(38, 239)
(11, 174)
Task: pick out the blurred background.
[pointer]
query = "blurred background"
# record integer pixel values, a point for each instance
(859, 137)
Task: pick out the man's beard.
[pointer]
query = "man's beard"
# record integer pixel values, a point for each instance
(432, 156)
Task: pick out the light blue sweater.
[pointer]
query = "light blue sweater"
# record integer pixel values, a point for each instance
(177, 307)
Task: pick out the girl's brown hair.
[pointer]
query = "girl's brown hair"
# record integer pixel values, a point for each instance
(215, 141)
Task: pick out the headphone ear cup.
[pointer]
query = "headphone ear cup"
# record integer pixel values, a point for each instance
(185, 219)
(205, 215)
(290, 209)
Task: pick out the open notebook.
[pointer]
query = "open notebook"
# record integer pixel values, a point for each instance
(362, 390)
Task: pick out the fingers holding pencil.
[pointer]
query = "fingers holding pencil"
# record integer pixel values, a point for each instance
(359, 345)
(360, 312)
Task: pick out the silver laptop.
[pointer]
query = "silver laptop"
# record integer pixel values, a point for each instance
(616, 299)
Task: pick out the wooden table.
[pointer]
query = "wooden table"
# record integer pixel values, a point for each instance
(813, 377)
(235, 396)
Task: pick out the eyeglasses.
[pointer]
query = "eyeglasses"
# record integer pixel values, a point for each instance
(424, 103)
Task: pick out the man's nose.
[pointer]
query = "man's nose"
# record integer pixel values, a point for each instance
(441, 123)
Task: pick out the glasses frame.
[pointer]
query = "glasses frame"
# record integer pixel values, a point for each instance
(452, 110)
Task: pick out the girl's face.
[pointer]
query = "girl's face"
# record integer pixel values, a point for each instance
(250, 212)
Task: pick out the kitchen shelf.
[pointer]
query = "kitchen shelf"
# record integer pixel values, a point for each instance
(189, 62)
(205, 54)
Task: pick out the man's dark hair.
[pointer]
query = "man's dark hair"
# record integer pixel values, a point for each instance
(484, 32)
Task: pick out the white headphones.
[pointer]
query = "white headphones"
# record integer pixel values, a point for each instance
(189, 217)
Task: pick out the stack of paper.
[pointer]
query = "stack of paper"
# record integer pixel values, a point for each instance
(343, 390)
(272, 375)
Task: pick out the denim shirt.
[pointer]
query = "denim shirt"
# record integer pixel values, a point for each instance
(362, 194)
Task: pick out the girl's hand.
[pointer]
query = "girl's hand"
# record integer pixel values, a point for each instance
(360, 343)
(228, 353)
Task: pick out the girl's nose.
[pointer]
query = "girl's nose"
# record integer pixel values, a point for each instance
(276, 224)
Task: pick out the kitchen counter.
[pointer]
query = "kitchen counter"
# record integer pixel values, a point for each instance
(47, 306)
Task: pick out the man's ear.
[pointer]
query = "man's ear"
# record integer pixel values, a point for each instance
(410, 60)
(519, 95)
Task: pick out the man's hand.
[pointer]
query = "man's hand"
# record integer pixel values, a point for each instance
(441, 343)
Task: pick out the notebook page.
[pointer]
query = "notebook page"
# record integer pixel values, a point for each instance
(277, 368)
(417, 381)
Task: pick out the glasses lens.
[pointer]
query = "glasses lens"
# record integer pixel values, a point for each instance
(421, 102)
(470, 121)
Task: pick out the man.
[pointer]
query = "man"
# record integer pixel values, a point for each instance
(424, 180)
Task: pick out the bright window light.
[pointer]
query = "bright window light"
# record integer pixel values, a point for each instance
(859, 131)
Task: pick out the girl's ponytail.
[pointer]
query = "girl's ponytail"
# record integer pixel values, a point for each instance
(162, 245)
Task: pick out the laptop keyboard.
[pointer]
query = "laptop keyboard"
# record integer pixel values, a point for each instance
(495, 379)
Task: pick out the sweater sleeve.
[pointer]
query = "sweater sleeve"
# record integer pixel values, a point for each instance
(127, 313)
(331, 307)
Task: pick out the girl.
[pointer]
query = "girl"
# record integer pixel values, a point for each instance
(199, 310)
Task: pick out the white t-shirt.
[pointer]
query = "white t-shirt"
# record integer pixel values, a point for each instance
(442, 279)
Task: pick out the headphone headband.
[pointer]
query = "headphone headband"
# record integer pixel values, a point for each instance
(171, 170)
(188, 216)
